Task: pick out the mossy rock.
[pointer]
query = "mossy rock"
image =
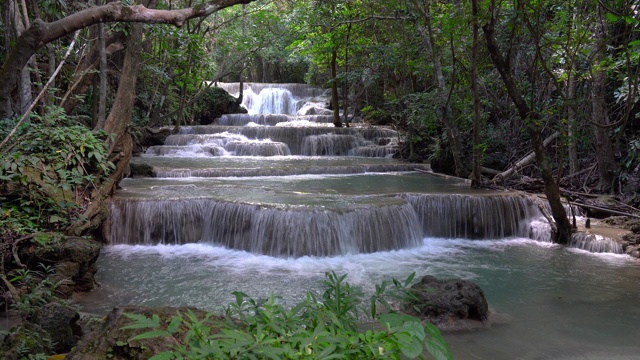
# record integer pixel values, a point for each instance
(214, 103)
(24, 340)
(109, 341)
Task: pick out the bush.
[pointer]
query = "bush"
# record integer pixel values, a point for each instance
(47, 173)
(320, 327)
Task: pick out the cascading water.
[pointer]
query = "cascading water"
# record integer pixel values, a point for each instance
(267, 203)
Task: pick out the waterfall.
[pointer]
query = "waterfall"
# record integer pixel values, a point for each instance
(274, 98)
(384, 223)
(288, 171)
(595, 243)
(196, 200)
(301, 140)
(474, 217)
(289, 232)
(257, 148)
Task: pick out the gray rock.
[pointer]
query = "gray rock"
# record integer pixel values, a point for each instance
(448, 301)
(59, 321)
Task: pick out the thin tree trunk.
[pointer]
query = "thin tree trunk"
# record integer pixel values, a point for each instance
(532, 119)
(476, 180)
(335, 101)
(52, 67)
(605, 156)
(102, 94)
(574, 167)
(453, 133)
(119, 144)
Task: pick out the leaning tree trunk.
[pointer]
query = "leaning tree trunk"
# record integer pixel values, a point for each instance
(119, 144)
(532, 119)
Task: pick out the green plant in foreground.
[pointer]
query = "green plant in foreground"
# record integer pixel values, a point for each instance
(40, 289)
(311, 329)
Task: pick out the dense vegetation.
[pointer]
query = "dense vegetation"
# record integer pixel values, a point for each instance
(474, 86)
(325, 326)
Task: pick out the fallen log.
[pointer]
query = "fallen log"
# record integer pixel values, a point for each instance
(530, 158)
(489, 171)
(442, 175)
(610, 211)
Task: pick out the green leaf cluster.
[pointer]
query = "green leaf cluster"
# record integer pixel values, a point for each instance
(325, 326)
(46, 173)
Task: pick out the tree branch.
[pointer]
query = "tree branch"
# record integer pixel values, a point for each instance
(41, 33)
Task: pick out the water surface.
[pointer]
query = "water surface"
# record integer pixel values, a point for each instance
(563, 303)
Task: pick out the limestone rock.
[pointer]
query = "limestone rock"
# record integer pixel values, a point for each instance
(446, 302)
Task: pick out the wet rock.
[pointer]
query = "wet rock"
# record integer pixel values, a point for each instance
(625, 222)
(141, 170)
(109, 340)
(448, 303)
(148, 136)
(74, 259)
(24, 340)
(216, 102)
(60, 323)
(633, 250)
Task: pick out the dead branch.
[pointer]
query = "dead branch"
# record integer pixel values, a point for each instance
(530, 158)
(610, 211)
(14, 249)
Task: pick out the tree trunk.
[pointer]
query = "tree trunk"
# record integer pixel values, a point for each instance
(24, 86)
(335, 101)
(605, 156)
(120, 144)
(102, 94)
(52, 67)
(532, 119)
(572, 122)
(453, 133)
(476, 180)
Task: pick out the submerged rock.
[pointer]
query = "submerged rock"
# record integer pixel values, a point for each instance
(448, 304)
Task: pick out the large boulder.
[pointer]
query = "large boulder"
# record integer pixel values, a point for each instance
(60, 322)
(448, 303)
(216, 102)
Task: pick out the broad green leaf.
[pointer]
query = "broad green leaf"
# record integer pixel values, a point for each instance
(409, 345)
(151, 335)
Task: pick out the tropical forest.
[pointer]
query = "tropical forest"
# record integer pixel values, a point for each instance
(319, 179)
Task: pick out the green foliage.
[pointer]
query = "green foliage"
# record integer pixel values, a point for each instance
(47, 172)
(633, 155)
(312, 329)
(37, 289)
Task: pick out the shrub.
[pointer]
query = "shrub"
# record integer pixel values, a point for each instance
(320, 327)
